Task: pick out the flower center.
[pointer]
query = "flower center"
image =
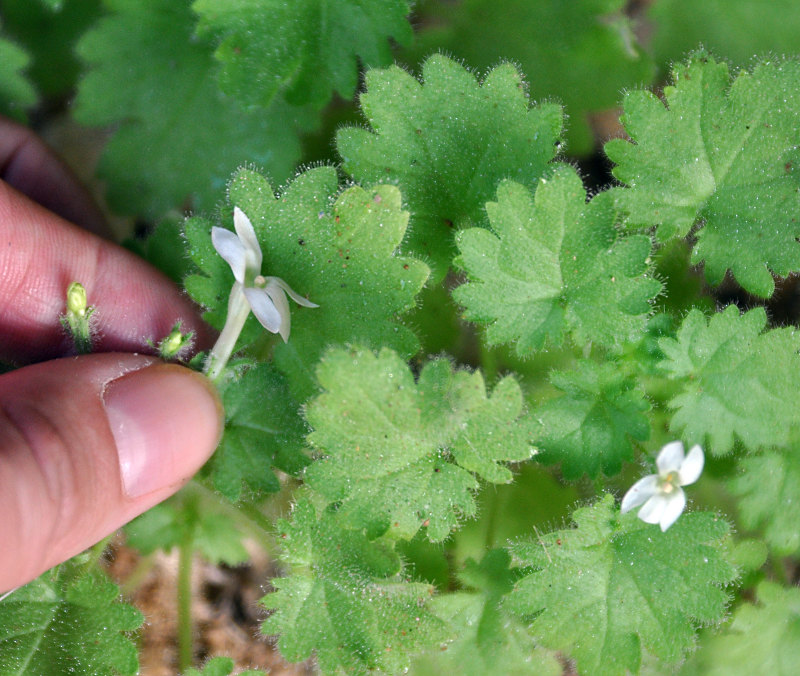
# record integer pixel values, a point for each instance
(669, 482)
(260, 281)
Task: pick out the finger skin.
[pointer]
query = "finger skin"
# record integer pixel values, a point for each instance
(61, 484)
(28, 165)
(41, 254)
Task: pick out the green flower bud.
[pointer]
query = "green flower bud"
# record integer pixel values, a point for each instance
(76, 299)
(76, 319)
(175, 343)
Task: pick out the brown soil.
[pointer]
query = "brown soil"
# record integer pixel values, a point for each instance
(225, 608)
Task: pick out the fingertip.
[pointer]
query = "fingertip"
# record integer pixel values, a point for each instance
(166, 421)
(87, 444)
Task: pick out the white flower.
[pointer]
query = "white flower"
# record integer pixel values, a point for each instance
(265, 296)
(661, 493)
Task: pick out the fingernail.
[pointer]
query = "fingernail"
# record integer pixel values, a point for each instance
(166, 421)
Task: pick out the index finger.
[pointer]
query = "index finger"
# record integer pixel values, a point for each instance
(28, 165)
(41, 254)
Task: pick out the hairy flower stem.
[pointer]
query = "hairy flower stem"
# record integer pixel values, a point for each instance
(238, 310)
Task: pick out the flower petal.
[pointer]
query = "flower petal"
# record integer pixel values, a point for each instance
(246, 232)
(296, 297)
(692, 466)
(275, 292)
(670, 458)
(654, 508)
(264, 309)
(676, 501)
(640, 492)
(230, 247)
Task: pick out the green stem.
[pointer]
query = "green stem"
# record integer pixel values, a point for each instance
(488, 362)
(185, 558)
(246, 515)
(491, 521)
(238, 311)
(95, 554)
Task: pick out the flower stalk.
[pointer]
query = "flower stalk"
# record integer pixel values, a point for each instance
(264, 296)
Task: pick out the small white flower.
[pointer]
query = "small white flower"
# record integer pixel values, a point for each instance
(661, 493)
(265, 296)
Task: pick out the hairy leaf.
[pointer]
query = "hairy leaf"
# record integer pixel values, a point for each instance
(185, 518)
(485, 638)
(769, 498)
(735, 29)
(65, 623)
(720, 155)
(580, 53)
(613, 587)
(49, 33)
(591, 426)
(338, 250)
(447, 142)
(737, 382)
(16, 92)
(397, 454)
(764, 638)
(262, 430)
(178, 139)
(555, 265)
(307, 48)
(344, 599)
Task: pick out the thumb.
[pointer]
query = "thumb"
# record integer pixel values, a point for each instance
(88, 443)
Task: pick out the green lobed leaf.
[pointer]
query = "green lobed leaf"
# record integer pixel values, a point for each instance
(344, 599)
(768, 489)
(484, 638)
(398, 455)
(338, 250)
(65, 622)
(262, 430)
(221, 666)
(178, 139)
(720, 155)
(16, 92)
(737, 382)
(764, 638)
(739, 29)
(591, 426)
(447, 142)
(183, 518)
(613, 586)
(164, 248)
(580, 53)
(48, 31)
(306, 48)
(554, 265)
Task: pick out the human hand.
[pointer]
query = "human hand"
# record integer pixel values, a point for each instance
(86, 443)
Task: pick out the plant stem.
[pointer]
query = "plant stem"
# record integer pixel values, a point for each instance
(248, 516)
(491, 521)
(185, 557)
(238, 311)
(488, 363)
(96, 553)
